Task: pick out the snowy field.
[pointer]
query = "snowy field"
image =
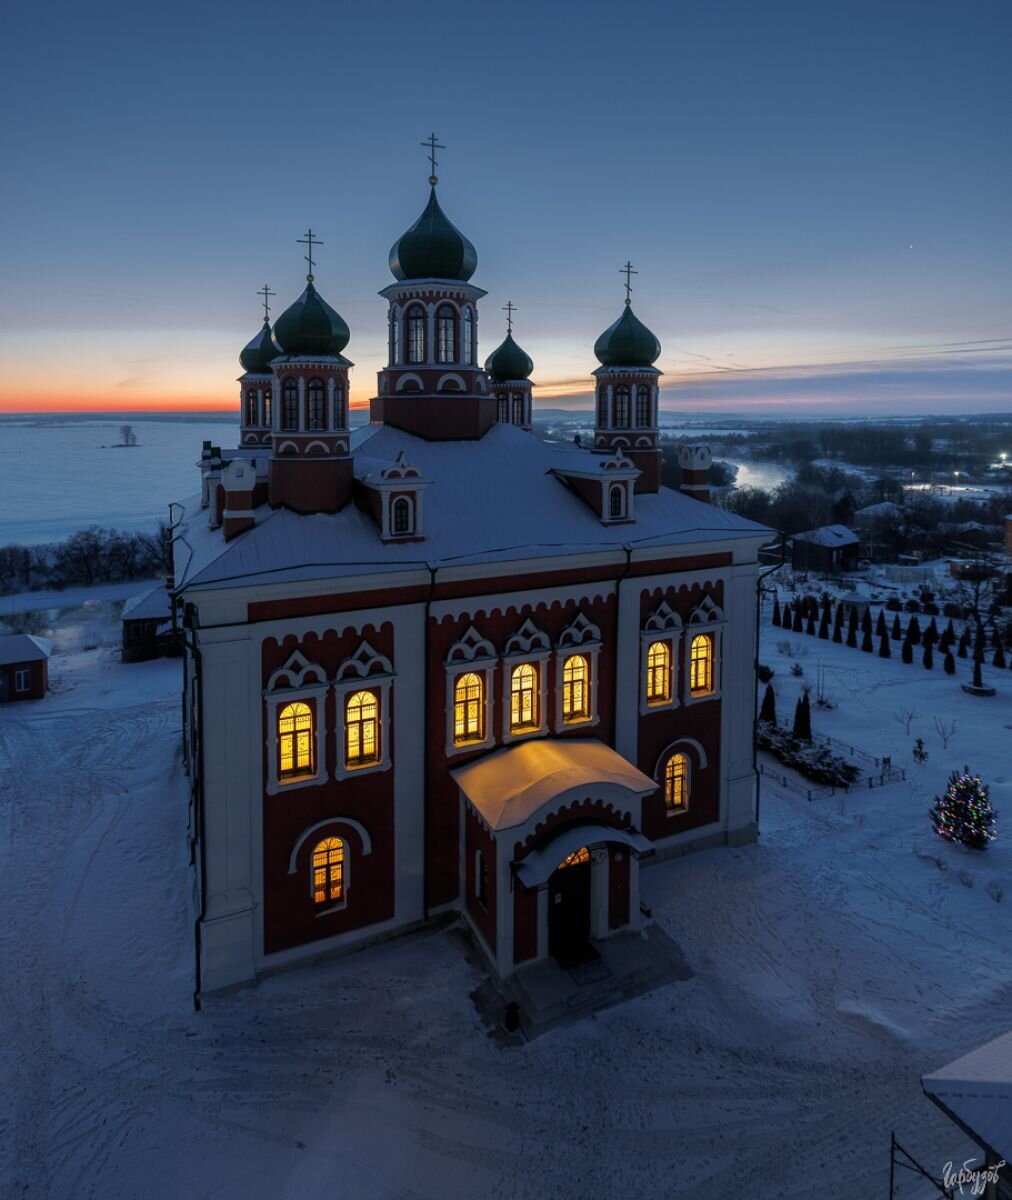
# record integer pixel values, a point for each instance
(836, 961)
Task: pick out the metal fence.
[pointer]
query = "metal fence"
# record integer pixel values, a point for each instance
(889, 775)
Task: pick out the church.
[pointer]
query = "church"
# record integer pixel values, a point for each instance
(437, 666)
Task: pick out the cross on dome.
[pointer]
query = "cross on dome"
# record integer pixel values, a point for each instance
(433, 146)
(266, 292)
(628, 271)
(309, 240)
(509, 308)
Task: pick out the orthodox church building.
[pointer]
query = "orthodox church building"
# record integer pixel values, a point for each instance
(437, 665)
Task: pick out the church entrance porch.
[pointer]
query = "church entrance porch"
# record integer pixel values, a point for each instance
(569, 911)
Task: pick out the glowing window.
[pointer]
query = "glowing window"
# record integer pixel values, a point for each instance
(446, 336)
(572, 860)
(468, 709)
(658, 673)
(701, 665)
(338, 406)
(676, 782)
(643, 406)
(616, 501)
(402, 515)
(289, 404)
(524, 697)
(317, 413)
(295, 740)
(466, 336)
(416, 334)
(328, 871)
(621, 407)
(361, 729)
(575, 688)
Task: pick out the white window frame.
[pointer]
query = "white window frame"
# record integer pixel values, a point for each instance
(706, 618)
(677, 812)
(485, 669)
(25, 674)
(277, 700)
(364, 671)
(528, 645)
(331, 906)
(579, 637)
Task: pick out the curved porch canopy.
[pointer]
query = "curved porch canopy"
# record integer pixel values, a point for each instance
(539, 865)
(509, 786)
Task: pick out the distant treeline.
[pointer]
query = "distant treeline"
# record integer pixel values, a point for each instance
(89, 556)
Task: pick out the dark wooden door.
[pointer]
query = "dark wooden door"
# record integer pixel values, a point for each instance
(569, 915)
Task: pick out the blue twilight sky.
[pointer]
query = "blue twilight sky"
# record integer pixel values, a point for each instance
(817, 196)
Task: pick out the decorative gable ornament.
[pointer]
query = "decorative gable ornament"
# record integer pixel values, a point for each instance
(365, 663)
(527, 639)
(579, 632)
(471, 648)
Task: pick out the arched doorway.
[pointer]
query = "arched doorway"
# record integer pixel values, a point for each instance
(569, 895)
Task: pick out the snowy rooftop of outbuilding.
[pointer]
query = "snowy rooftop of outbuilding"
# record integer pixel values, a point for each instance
(510, 785)
(152, 605)
(977, 1089)
(885, 508)
(24, 647)
(828, 535)
(491, 500)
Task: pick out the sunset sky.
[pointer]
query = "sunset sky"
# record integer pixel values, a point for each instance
(816, 196)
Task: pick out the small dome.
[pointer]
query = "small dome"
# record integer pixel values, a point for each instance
(627, 343)
(508, 361)
(255, 357)
(311, 327)
(433, 248)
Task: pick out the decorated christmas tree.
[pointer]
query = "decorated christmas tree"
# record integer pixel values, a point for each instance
(964, 814)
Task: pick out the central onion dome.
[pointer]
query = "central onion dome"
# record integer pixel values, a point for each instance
(433, 248)
(311, 328)
(627, 343)
(508, 361)
(256, 356)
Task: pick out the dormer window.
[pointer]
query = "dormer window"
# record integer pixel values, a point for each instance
(446, 336)
(403, 516)
(616, 501)
(289, 404)
(643, 407)
(416, 334)
(621, 407)
(316, 410)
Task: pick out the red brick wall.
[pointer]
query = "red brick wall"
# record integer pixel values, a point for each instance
(525, 923)
(37, 684)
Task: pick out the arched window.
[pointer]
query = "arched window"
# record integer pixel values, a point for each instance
(701, 665)
(268, 406)
(296, 742)
(468, 709)
(446, 335)
(361, 729)
(616, 500)
(251, 406)
(503, 414)
(621, 407)
(289, 404)
(338, 414)
(602, 407)
(481, 878)
(518, 410)
(416, 334)
(573, 860)
(643, 406)
(676, 782)
(328, 871)
(466, 337)
(402, 515)
(317, 412)
(524, 697)
(659, 673)
(575, 688)
(395, 336)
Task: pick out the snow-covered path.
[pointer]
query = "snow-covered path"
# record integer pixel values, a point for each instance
(835, 962)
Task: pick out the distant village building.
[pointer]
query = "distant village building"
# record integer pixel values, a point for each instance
(439, 666)
(878, 515)
(24, 666)
(146, 624)
(829, 550)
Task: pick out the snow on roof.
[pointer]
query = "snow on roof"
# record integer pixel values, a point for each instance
(24, 647)
(855, 598)
(491, 500)
(510, 785)
(977, 1089)
(828, 535)
(151, 605)
(540, 865)
(885, 508)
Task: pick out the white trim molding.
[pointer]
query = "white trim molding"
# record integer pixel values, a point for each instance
(303, 681)
(706, 618)
(528, 645)
(663, 625)
(579, 637)
(363, 671)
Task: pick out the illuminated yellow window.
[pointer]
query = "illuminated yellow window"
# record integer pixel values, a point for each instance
(328, 871)
(659, 673)
(361, 729)
(676, 782)
(578, 856)
(468, 709)
(575, 688)
(295, 740)
(524, 697)
(701, 665)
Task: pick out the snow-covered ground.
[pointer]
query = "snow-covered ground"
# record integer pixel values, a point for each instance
(836, 961)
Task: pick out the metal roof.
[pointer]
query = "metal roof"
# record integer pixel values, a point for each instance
(24, 647)
(977, 1090)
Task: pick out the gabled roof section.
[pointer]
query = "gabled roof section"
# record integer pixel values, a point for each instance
(829, 535)
(24, 647)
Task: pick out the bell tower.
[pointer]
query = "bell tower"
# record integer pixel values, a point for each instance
(256, 381)
(508, 369)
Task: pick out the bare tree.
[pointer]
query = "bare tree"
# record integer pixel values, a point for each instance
(126, 432)
(906, 716)
(945, 730)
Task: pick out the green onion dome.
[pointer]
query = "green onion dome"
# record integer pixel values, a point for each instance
(433, 248)
(627, 343)
(311, 328)
(508, 361)
(255, 357)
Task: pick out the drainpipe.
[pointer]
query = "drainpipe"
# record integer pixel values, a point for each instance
(425, 744)
(191, 626)
(762, 577)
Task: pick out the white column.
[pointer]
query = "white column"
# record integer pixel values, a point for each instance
(737, 697)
